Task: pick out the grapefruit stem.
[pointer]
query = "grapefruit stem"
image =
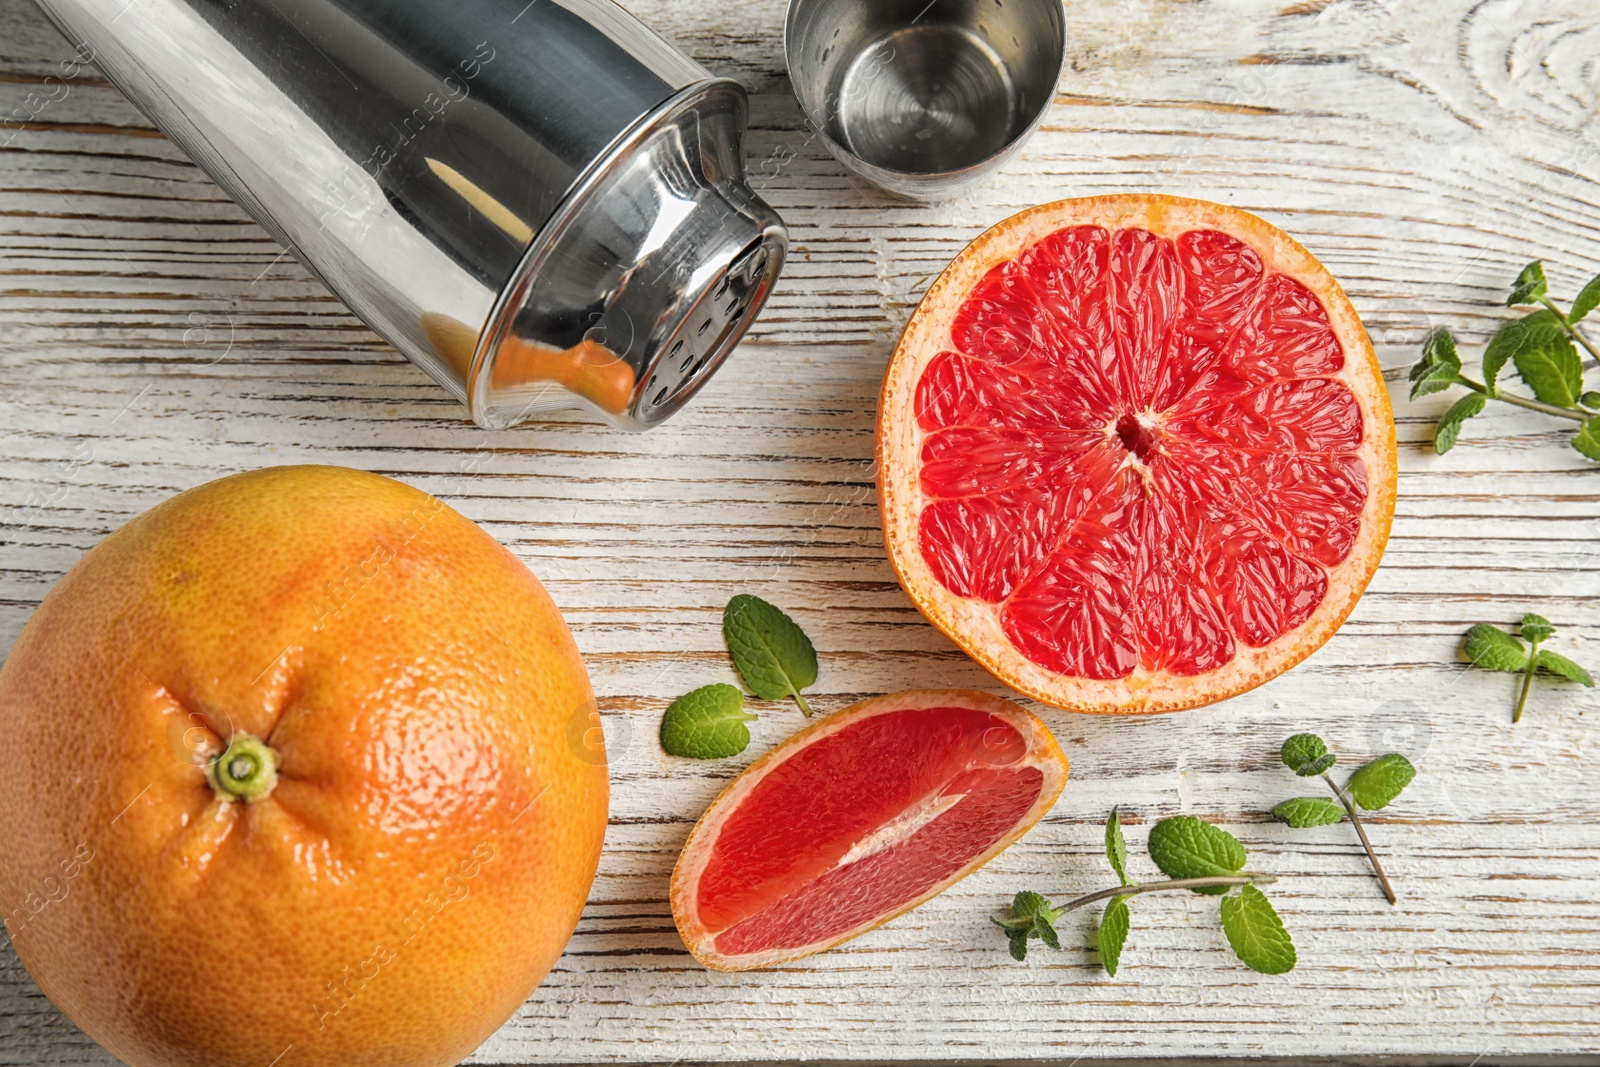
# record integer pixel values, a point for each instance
(1246, 878)
(1361, 832)
(247, 771)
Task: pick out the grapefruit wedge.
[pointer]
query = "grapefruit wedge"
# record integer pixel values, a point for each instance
(1135, 453)
(858, 818)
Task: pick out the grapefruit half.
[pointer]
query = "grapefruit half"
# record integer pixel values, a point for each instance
(1135, 453)
(858, 818)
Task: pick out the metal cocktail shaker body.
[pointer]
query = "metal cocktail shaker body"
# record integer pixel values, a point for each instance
(541, 204)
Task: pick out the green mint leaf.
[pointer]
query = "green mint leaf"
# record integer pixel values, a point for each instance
(1019, 946)
(1438, 350)
(1186, 847)
(1026, 904)
(1117, 847)
(1591, 399)
(1256, 933)
(1529, 286)
(1113, 933)
(1587, 439)
(1493, 649)
(708, 723)
(772, 654)
(1449, 428)
(1011, 926)
(1548, 362)
(1506, 342)
(1307, 755)
(1439, 377)
(1376, 784)
(1044, 926)
(1555, 664)
(1587, 300)
(1302, 812)
(1535, 628)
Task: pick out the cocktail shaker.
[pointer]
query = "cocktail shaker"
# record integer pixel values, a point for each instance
(542, 203)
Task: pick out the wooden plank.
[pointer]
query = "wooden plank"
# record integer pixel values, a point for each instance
(152, 338)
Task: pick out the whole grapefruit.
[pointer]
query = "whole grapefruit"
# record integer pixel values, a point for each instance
(1135, 453)
(299, 767)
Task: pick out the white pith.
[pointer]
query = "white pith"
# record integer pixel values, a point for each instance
(901, 828)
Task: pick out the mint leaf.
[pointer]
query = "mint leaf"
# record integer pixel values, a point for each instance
(1493, 649)
(1590, 400)
(1256, 933)
(1044, 926)
(1439, 367)
(1587, 300)
(1302, 812)
(708, 723)
(1449, 428)
(772, 654)
(1116, 847)
(1555, 664)
(1019, 946)
(1506, 342)
(1548, 362)
(1437, 379)
(1113, 933)
(1535, 628)
(1376, 784)
(1438, 350)
(1186, 847)
(1307, 755)
(1529, 286)
(1587, 440)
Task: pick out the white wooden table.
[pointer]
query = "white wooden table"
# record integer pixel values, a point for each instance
(152, 338)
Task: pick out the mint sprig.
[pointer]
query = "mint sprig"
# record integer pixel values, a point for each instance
(1371, 786)
(772, 654)
(1178, 845)
(708, 723)
(1494, 649)
(1031, 916)
(1539, 345)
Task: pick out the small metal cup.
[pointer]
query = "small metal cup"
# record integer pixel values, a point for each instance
(924, 96)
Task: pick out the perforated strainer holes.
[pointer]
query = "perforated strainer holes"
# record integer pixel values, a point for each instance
(709, 329)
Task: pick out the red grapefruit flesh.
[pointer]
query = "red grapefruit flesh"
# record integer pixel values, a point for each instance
(1135, 453)
(858, 818)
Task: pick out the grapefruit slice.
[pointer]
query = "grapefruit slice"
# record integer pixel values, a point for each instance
(858, 818)
(1135, 453)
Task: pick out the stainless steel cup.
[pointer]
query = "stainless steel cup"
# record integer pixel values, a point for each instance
(924, 96)
(540, 203)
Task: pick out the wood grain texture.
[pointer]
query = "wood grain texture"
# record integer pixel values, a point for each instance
(152, 338)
